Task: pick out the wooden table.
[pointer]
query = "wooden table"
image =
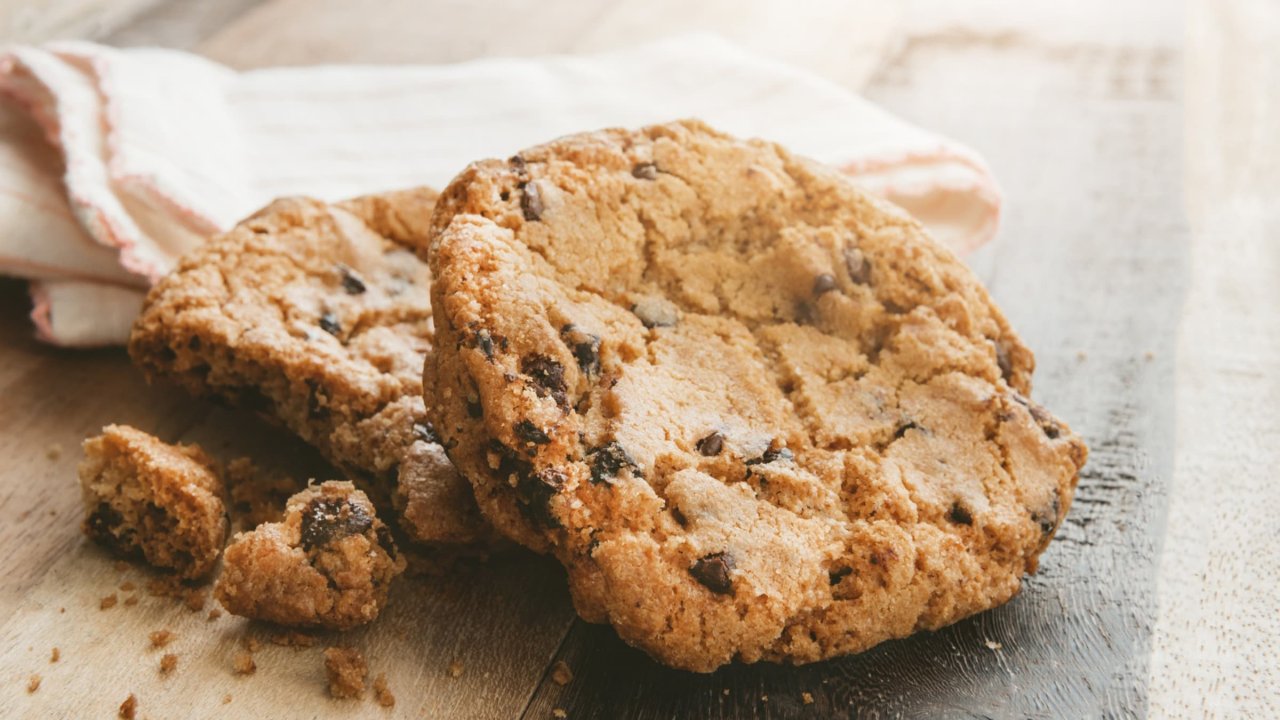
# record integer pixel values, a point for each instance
(1109, 124)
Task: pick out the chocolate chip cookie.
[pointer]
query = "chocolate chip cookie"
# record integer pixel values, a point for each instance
(754, 411)
(328, 564)
(145, 497)
(317, 316)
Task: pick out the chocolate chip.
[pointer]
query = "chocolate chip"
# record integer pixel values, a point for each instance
(824, 283)
(856, 263)
(327, 519)
(517, 162)
(656, 312)
(329, 323)
(772, 454)
(645, 171)
(903, 428)
(1004, 361)
(531, 202)
(1047, 518)
(193, 344)
(607, 460)
(1048, 423)
(536, 489)
(585, 347)
(711, 444)
(317, 408)
(484, 343)
(530, 433)
(713, 572)
(960, 515)
(474, 409)
(835, 576)
(426, 432)
(351, 282)
(547, 376)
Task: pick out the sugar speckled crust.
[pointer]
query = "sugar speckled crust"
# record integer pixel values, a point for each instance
(755, 412)
(146, 497)
(317, 316)
(329, 563)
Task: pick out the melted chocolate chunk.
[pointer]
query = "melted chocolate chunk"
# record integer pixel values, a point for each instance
(531, 202)
(835, 576)
(1047, 518)
(474, 409)
(1048, 423)
(585, 347)
(328, 519)
(535, 491)
(960, 515)
(856, 263)
(517, 162)
(351, 281)
(713, 572)
(645, 171)
(330, 324)
(772, 454)
(824, 283)
(530, 433)
(1004, 361)
(607, 460)
(547, 376)
(711, 444)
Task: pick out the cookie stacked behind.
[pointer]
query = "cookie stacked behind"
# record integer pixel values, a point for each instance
(755, 412)
(318, 316)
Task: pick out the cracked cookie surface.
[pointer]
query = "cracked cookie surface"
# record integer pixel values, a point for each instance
(329, 563)
(145, 497)
(756, 413)
(316, 316)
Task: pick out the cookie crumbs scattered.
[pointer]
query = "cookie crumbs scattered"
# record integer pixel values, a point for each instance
(195, 599)
(455, 669)
(55, 655)
(34, 683)
(168, 586)
(168, 663)
(127, 586)
(54, 451)
(806, 698)
(214, 614)
(250, 643)
(559, 713)
(108, 602)
(293, 639)
(561, 674)
(993, 645)
(129, 708)
(160, 638)
(382, 692)
(243, 664)
(346, 670)
(131, 600)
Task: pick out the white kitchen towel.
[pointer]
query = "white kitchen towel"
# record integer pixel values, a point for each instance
(115, 162)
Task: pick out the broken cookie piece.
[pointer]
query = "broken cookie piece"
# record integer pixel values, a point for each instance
(328, 564)
(146, 497)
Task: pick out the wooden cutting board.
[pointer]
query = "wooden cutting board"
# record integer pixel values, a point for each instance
(1081, 121)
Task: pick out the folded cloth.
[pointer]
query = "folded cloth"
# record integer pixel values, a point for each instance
(114, 162)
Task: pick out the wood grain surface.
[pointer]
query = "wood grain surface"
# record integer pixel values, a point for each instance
(1156, 344)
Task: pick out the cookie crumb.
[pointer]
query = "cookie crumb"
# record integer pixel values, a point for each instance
(55, 655)
(160, 638)
(993, 645)
(108, 602)
(131, 601)
(53, 451)
(168, 663)
(243, 664)
(195, 599)
(1082, 355)
(455, 669)
(127, 586)
(725, 692)
(214, 614)
(561, 674)
(559, 713)
(346, 670)
(129, 708)
(226, 699)
(62, 611)
(34, 683)
(1149, 356)
(764, 698)
(806, 698)
(382, 692)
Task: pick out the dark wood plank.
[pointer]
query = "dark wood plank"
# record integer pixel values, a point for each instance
(1092, 269)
